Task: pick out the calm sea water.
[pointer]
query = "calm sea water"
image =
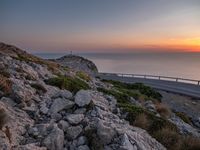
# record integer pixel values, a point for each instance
(185, 65)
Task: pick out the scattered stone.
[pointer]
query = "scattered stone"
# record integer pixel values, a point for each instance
(55, 140)
(60, 104)
(81, 140)
(83, 147)
(150, 106)
(126, 144)
(83, 98)
(73, 132)
(105, 132)
(183, 127)
(80, 111)
(75, 118)
(63, 94)
(63, 125)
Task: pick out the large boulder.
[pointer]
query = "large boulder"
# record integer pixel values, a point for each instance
(60, 104)
(55, 140)
(78, 63)
(83, 98)
(73, 132)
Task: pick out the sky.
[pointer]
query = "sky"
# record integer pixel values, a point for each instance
(101, 25)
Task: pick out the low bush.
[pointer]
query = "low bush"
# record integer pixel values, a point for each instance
(143, 89)
(169, 138)
(72, 84)
(83, 76)
(5, 84)
(120, 97)
(184, 117)
(163, 110)
(141, 121)
(190, 143)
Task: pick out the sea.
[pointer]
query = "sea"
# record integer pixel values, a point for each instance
(172, 64)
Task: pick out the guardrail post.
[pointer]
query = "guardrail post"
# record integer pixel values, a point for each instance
(176, 79)
(145, 76)
(159, 78)
(198, 82)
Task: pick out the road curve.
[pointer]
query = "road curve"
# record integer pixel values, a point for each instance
(170, 86)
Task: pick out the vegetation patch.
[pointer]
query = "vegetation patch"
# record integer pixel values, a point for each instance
(120, 97)
(5, 84)
(163, 110)
(83, 75)
(143, 89)
(52, 66)
(184, 117)
(72, 84)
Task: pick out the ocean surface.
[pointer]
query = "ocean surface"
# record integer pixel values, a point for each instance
(183, 65)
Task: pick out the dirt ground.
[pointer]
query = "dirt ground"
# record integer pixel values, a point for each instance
(182, 103)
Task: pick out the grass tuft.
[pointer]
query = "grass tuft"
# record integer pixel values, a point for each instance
(72, 84)
(83, 76)
(5, 84)
(184, 117)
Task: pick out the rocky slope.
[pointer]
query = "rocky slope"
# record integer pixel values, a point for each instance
(44, 105)
(78, 63)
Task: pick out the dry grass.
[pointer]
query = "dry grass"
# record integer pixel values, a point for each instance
(141, 121)
(5, 84)
(169, 138)
(163, 110)
(184, 117)
(172, 140)
(191, 143)
(83, 75)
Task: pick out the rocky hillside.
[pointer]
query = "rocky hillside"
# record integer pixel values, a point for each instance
(45, 105)
(78, 63)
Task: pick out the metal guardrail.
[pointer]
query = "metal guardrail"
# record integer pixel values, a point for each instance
(164, 78)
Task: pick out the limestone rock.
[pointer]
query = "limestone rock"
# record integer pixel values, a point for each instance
(73, 132)
(75, 118)
(83, 98)
(105, 132)
(60, 104)
(83, 147)
(55, 140)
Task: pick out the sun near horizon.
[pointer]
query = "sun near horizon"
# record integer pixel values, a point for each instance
(101, 26)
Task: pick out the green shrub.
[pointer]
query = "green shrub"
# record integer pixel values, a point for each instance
(143, 89)
(72, 84)
(83, 76)
(120, 97)
(184, 117)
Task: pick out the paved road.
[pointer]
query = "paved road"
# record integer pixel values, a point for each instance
(171, 86)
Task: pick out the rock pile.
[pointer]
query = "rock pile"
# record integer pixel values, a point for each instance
(43, 117)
